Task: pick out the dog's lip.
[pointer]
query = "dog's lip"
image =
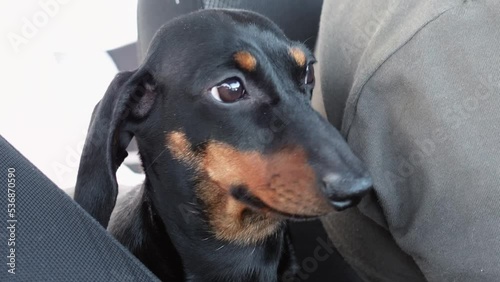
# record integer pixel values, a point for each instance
(297, 217)
(340, 205)
(252, 201)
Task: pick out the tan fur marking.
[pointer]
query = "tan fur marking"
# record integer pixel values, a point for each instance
(284, 181)
(298, 55)
(180, 147)
(245, 60)
(232, 221)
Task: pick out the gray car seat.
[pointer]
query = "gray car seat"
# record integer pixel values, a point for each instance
(49, 237)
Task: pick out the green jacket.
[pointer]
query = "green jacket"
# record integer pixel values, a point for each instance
(415, 88)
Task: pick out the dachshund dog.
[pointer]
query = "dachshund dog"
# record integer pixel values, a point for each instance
(221, 112)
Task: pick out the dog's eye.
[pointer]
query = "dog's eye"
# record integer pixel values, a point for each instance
(309, 77)
(229, 91)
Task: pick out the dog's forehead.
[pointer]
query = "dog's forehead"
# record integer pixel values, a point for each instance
(208, 46)
(225, 21)
(221, 33)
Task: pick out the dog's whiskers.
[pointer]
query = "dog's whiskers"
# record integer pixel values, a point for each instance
(194, 211)
(219, 248)
(305, 41)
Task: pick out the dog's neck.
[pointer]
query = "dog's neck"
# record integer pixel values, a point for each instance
(203, 257)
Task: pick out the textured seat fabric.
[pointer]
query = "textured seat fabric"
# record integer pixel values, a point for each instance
(55, 239)
(415, 88)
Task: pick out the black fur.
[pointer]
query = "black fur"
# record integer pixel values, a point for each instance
(163, 223)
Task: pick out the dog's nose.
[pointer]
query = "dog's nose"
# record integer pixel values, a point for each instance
(345, 191)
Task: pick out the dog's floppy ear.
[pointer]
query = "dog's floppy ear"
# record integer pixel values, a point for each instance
(130, 96)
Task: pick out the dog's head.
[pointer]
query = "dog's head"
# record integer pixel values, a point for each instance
(221, 112)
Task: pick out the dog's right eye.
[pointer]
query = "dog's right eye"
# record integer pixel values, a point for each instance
(229, 91)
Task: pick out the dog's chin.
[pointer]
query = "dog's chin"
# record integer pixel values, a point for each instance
(258, 206)
(292, 216)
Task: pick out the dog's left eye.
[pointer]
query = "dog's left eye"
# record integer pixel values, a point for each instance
(229, 91)
(309, 77)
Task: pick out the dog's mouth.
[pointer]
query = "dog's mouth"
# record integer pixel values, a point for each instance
(243, 195)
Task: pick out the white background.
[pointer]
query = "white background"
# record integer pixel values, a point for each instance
(54, 69)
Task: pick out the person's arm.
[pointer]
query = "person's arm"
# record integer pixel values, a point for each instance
(421, 83)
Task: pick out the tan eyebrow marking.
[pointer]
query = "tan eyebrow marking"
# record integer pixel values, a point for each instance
(298, 55)
(245, 60)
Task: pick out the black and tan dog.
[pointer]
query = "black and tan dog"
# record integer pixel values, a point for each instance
(221, 112)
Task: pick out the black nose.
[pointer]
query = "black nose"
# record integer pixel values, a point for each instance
(345, 191)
